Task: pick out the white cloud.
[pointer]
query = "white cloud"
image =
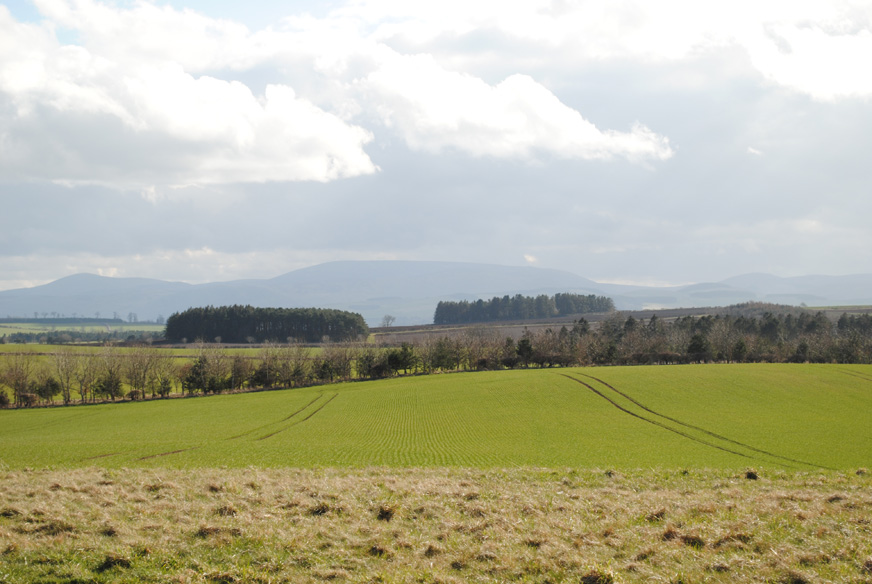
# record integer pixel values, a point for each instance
(165, 96)
(816, 48)
(808, 58)
(147, 82)
(145, 31)
(128, 118)
(434, 109)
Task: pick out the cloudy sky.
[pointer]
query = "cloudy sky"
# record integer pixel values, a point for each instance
(656, 142)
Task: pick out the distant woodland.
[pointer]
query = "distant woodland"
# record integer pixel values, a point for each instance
(519, 307)
(247, 324)
(112, 372)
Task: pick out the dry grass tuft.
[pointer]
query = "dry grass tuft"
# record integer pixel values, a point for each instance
(597, 577)
(378, 551)
(113, 561)
(694, 541)
(320, 509)
(643, 555)
(670, 534)
(813, 560)
(223, 578)
(656, 516)
(227, 510)
(733, 538)
(794, 578)
(54, 527)
(385, 513)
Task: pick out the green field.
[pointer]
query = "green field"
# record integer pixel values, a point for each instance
(35, 327)
(793, 417)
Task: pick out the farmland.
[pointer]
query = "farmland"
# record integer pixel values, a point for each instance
(716, 473)
(802, 417)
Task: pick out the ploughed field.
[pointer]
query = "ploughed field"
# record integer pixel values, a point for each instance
(790, 417)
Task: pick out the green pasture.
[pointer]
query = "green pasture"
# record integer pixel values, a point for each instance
(803, 417)
(33, 327)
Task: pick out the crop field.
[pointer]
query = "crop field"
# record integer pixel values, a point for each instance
(800, 417)
(36, 327)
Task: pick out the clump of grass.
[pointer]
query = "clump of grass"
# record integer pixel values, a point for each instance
(227, 510)
(733, 538)
(379, 551)
(320, 509)
(794, 578)
(206, 531)
(694, 541)
(597, 577)
(113, 561)
(656, 516)
(385, 513)
(54, 527)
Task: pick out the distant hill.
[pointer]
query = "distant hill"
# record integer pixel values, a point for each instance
(407, 290)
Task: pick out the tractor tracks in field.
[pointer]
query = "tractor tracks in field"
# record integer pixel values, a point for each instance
(292, 418)
(686, 430)
(150, 456)
(300, 421)
(285, 419)
(854, 374)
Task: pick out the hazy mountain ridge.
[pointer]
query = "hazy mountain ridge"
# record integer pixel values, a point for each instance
(408, 290)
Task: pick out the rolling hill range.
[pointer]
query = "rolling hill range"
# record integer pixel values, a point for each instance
(408, 290)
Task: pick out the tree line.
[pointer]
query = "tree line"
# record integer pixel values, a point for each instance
(66, 336)
(519, 307)
(148, 372)
(247, 324)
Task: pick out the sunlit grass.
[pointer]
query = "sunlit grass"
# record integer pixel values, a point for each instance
(434, 525)
(800, 417)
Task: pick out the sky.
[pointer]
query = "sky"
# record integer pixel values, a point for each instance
(655, 142)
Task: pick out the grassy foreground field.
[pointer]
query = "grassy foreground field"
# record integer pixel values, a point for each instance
(434, 525)
(803, 417)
